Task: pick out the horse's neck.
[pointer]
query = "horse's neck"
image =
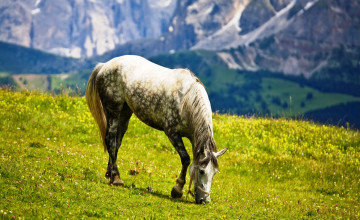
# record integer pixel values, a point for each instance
(199, 116)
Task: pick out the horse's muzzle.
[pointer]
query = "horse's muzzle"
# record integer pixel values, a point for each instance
(202, 199)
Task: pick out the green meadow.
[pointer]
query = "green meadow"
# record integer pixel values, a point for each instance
(52, 166)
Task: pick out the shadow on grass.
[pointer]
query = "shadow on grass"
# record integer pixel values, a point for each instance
(188, 200)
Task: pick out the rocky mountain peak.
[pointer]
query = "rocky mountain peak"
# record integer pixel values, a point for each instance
(294, 37)
(289, 36)
(80, 28)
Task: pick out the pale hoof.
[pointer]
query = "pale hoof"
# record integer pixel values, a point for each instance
(117, 181)
(176, 192)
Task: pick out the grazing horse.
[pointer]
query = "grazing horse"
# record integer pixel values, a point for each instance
(171, 100)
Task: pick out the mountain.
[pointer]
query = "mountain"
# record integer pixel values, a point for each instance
(82, 28)
(315, 39)
(296, 37)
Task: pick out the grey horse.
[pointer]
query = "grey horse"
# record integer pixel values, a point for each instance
(171, 100)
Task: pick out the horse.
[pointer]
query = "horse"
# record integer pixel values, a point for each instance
(170, 100)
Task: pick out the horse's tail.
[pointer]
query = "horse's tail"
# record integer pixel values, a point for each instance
(94, 103)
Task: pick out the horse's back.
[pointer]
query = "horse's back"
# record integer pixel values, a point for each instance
(132, 69)
(152, 92)
(136, 68)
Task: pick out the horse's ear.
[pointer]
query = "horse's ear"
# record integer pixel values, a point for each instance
(219, 153)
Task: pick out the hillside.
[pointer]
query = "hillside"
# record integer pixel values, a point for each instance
(19, 59)
(230, 90)
(263, 92)
(52, 165)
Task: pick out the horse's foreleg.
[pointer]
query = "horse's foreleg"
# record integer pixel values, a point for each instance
(176, 140)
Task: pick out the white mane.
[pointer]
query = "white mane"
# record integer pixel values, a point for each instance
(197, 109)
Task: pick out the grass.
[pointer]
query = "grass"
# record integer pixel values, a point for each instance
(52, 165)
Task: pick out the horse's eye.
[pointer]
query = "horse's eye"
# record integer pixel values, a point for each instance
(202, 172)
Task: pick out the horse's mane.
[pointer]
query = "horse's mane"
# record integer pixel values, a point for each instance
(194, 105)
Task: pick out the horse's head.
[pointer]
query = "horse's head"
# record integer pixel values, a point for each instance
(202, 174)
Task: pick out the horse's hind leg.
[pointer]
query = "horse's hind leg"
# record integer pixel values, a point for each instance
(117, 124)
(177, 142)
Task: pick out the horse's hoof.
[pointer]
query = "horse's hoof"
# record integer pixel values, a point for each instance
(117, 181)
(176, 192)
